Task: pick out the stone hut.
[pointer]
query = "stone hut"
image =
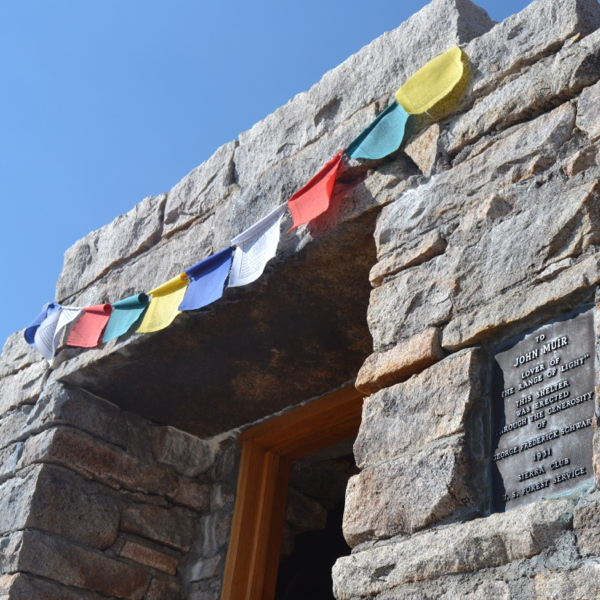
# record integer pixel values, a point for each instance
(402, 407)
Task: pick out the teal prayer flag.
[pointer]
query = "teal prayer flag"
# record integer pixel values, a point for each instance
(382, 137)
(125, 314)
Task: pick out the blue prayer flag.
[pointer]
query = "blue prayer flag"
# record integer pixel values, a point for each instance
(207, 280)
(47, 310)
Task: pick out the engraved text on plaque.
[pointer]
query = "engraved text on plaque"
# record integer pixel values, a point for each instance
(543, 404)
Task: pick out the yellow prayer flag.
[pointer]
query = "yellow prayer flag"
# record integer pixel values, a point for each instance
(431, 83)
(162, 309)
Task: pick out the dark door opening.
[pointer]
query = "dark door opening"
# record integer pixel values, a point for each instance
(312, 533)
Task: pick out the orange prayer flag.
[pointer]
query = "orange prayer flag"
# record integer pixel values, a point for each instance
(89, 328)
(313, 199)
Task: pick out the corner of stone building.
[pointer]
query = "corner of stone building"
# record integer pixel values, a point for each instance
(96, 502)
(498, 237)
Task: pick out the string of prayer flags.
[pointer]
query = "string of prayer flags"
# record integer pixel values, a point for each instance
(434, 89)
(207, 280)
(431, 83)
(313, 199)
(382, 137)
(50, 332)
(163, 307)
(255, 247)
(87, 332)
(47, 310)
(125, 314)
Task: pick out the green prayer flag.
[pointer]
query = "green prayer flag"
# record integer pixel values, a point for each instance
(382, 137)
(126, 313)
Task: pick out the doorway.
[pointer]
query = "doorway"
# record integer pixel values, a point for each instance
(312, 531)
(266, 468)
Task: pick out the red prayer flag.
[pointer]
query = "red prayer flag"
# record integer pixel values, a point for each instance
(313, 199)
(89, 328)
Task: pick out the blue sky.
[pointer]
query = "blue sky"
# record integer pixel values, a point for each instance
(105, 103)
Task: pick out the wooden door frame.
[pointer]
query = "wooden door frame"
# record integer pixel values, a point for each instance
(268, 450)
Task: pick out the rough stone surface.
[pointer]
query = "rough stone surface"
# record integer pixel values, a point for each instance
(26, 587)
(419, 298)
(10, 545)
(479, 544)
(15, 497)
(409, 492)
(206, 568)
(55, 558)
(538, 30)
(196, 496)
(596, 455)
(48, 505)
(424, 149)
(94, 459)
(512, 581)
(585, 524)
(158, 524)
(61, 405)
(22, 387)
(163, 590)
(184, 452)
(147, 270)
(17, 354)
(128, 235)
(367, 76)
(383, 369)
(578, 584)
(205, 590)
(522, 306)
(542, 86)
(14, 425)
(429, 406)
(47, 498)
(468, 284)
(581, 161)
(9, 460)
(588, 109)
(73, 508)
(514, 156)
(430, 245)
(214, 529)
(149, 557)
(198, 193)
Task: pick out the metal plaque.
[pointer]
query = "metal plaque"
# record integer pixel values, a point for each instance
(543, 411)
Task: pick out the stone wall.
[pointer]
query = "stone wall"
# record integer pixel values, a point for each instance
(499, 236)
(97, 503)
(485, 225)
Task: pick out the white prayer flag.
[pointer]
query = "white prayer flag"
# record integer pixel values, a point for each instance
(50, 331)
(255, 247)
